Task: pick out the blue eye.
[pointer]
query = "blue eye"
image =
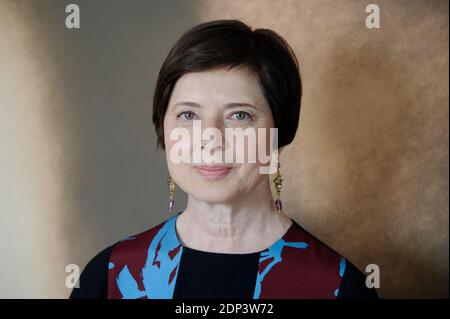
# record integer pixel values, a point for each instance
(187, 115)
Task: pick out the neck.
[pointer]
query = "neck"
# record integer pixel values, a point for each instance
(247, 223)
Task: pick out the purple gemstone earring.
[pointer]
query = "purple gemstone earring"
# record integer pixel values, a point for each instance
(171, 185)
(278, 181)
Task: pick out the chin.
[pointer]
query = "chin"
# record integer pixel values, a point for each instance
(213, 194)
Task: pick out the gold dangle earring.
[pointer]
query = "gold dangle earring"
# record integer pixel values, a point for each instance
(278, 181)
(171, 185)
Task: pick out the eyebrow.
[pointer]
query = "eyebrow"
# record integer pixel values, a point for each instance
(227, 106)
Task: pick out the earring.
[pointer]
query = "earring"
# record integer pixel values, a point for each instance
(171, 185)
(278, 181)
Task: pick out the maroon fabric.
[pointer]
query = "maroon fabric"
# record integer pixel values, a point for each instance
(313, 272)
(133, 253)
(303, 273)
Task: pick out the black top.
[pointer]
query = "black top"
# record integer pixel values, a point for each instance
(233, 273)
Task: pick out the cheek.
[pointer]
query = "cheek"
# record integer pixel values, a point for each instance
(167, 129)
(266, 144)
(173, 169)
(179, 171)
(248, 176)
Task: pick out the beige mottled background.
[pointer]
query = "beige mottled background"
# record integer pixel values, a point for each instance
(367, 172)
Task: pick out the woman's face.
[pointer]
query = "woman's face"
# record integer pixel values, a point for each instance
(221, 99)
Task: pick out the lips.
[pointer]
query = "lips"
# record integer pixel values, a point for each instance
(213, 171)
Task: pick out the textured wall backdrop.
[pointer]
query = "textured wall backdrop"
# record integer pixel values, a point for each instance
(367, 172)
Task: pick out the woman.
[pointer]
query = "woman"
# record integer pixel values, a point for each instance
(233, 239)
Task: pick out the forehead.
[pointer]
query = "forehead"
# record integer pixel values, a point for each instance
(219, 86)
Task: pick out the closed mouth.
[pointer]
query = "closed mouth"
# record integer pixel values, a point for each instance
(213, 172)
(213, 167)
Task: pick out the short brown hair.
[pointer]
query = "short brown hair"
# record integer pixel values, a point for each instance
(232, 43)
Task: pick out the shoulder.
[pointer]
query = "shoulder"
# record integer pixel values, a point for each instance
(353, 285)
(133, 260)
(349, 280)
(317, 255)
(138, 244)
(94, 277)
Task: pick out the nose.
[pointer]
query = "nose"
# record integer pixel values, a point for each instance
(213, 125)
